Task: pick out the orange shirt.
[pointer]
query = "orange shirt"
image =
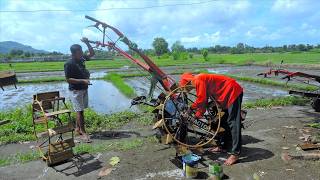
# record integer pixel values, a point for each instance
(223, 89)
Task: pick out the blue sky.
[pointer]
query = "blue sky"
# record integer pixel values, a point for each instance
(254, 22)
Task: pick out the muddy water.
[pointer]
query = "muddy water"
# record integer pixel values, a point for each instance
(251, 91)
(39, 75)
(103, 96)
(254, 70)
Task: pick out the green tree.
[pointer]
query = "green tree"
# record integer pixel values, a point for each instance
(205, 54)
(16, 52)
(27, 54)
(160, 46)
(178, 47)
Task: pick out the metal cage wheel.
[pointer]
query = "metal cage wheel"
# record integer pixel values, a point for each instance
(181, 99)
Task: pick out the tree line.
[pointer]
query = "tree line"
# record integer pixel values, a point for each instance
(161, 46)
(178, 51)
(17, 53)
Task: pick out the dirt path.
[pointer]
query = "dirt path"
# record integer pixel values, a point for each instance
(263, 144)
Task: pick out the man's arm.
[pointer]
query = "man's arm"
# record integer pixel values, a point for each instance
(69, 79)
(200, 103)
(91, 51)
(78, 81)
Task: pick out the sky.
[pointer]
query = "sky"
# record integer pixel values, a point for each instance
(204, 23)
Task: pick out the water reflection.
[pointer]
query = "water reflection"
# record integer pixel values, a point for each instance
(103, 96)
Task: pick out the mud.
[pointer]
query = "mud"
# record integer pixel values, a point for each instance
(39, 75)
(103, 96)
(261, 154)
(219, 68)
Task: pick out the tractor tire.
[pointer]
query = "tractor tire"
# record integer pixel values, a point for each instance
(316, 104)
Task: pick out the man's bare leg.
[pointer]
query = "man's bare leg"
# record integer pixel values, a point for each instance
(81, 126)
(79, 120)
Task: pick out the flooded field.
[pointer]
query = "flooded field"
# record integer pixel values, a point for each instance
(254, 70)
(39, 75)
(251, 91)
(250, 71)
(103, 96)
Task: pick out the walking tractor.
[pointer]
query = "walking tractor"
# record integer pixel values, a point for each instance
(173, 121)
(302, 77)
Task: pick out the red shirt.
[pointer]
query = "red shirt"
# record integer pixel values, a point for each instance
(223, 89)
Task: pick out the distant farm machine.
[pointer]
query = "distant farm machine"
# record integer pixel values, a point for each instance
(171, 116)
(300, 77)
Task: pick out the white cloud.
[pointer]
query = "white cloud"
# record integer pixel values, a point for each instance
(214, 37)
(217, 22)
(179, 21)
(42, 30)
(193, 39)
(294, 7)
(256, 31)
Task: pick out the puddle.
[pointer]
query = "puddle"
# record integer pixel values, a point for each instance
(103, 96)
(141, 86)
(252, 71)
(251, 91)
(39, 75)
(254, 91)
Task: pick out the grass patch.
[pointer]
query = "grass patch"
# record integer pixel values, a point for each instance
(21, 127)
(281, 101)
(119, 145)
(122, 145)
(314, 125)
(19, 158)
(118, 82)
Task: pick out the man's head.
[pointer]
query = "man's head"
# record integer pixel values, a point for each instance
(186, 80)
(76, 51)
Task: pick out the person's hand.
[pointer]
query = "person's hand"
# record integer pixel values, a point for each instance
(86, 81)
(85, 40)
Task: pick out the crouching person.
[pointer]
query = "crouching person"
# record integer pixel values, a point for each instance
(77, 77)
(228, 94)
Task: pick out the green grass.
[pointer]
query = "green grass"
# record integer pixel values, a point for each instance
(19, 158)
(281, 101)
(314, 125)
(266, 58)
(304, 58)
(21, 128)
(120, 145)
(263, 81)
(118, 82)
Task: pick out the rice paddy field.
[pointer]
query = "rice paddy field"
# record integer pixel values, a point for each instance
(303, 59)
(125, 131)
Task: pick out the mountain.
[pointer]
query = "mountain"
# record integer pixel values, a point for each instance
(7, 46)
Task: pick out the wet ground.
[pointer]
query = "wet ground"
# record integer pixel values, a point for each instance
(103, 96)
(40, 75)
(254, 70)
(252, 91)
(220, 69)
(272, 133)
